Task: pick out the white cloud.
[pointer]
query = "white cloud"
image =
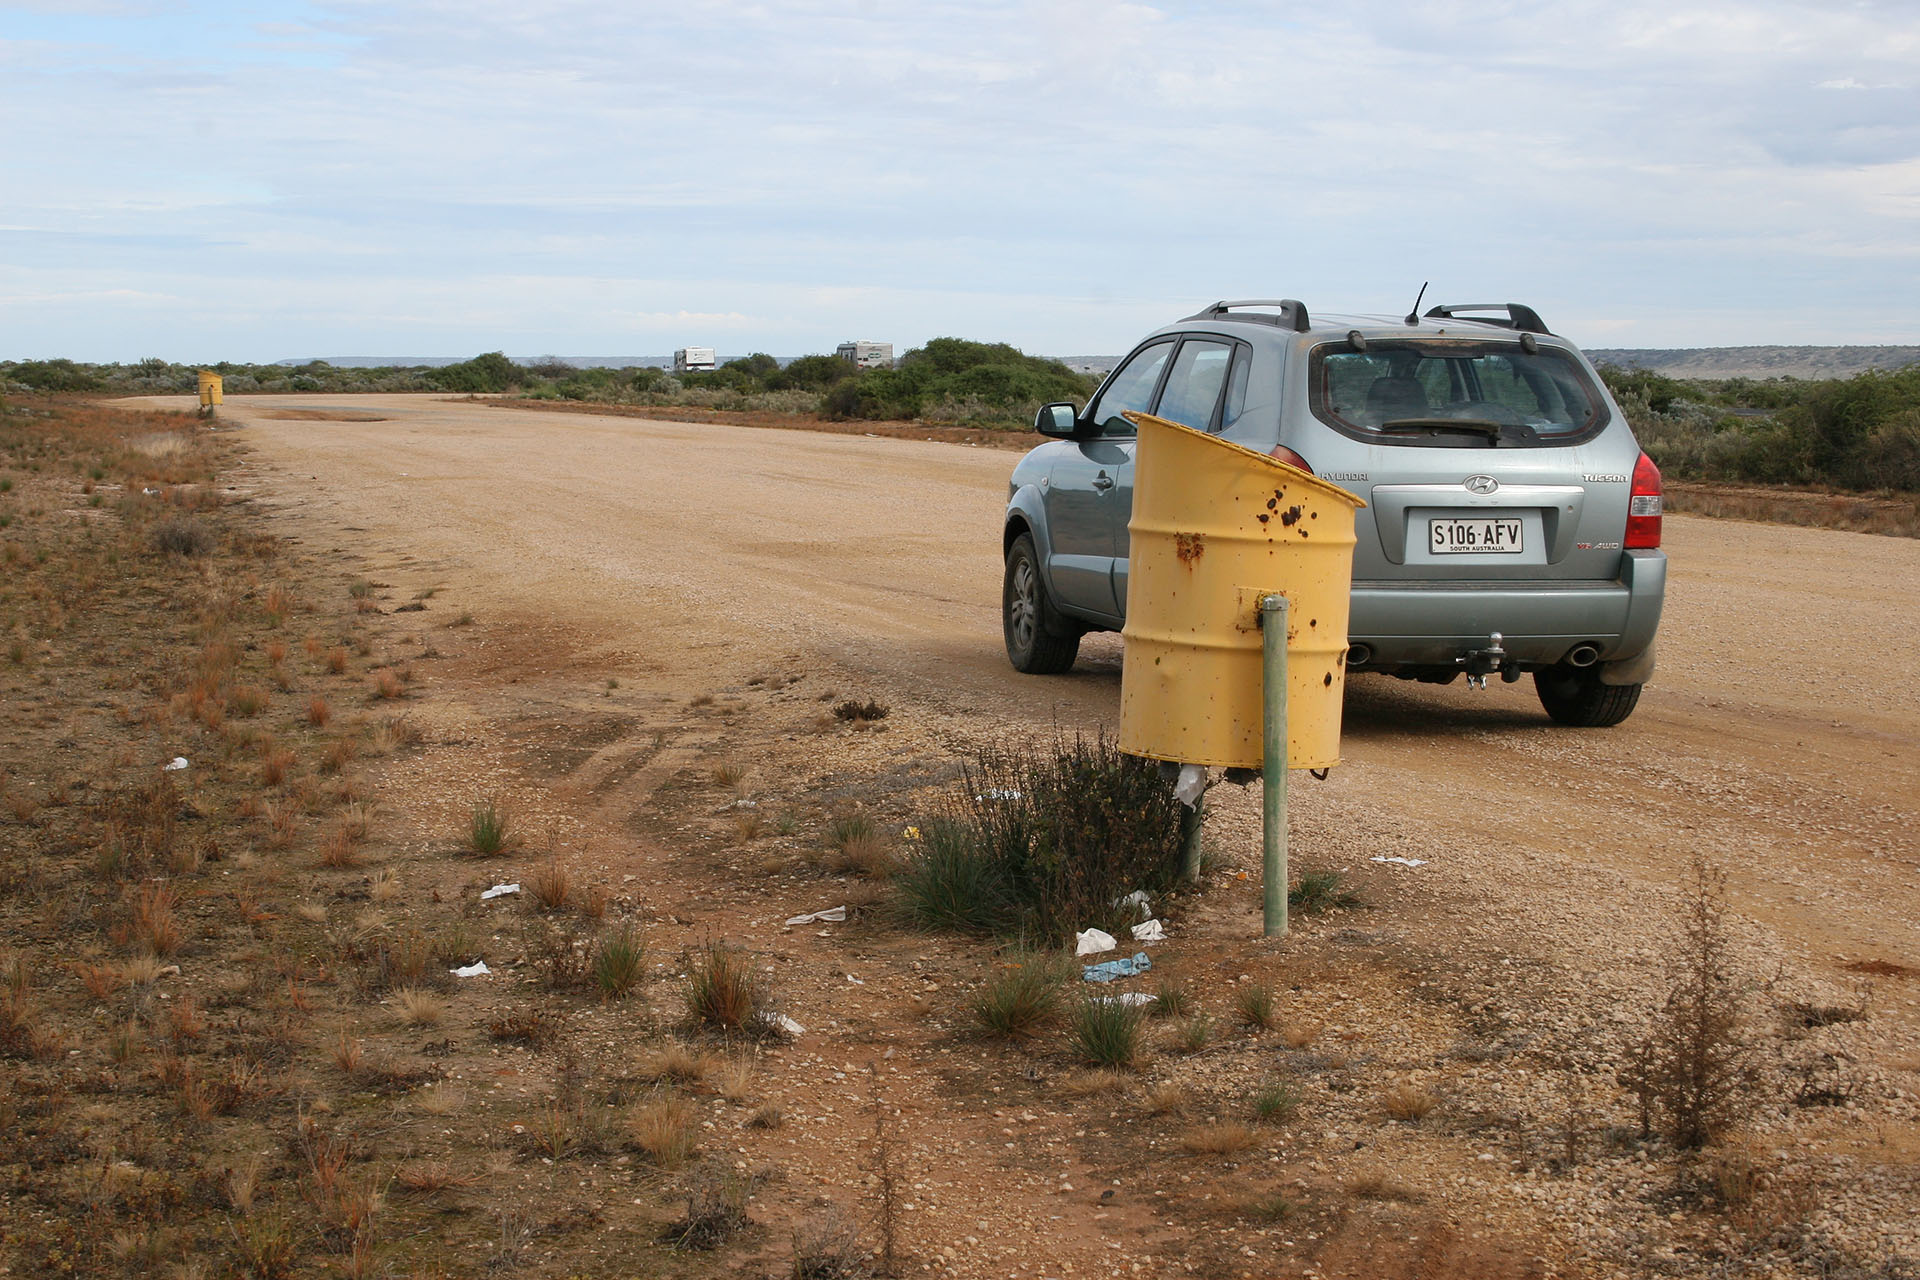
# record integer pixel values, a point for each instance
(934, 162)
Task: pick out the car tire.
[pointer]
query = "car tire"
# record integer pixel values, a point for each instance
(1575, 696)
(1040, 641)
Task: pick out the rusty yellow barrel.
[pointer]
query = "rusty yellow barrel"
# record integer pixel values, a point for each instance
(210, 390)
(1215, 527)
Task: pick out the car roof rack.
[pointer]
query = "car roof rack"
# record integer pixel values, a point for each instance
(1519, 316)
(1290, 313)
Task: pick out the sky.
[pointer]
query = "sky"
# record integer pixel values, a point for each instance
(255, 181)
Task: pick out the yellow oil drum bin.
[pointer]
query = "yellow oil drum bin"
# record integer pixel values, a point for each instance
(1217, 526)
(210, 390)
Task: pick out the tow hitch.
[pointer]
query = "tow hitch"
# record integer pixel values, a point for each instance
(1481, 663)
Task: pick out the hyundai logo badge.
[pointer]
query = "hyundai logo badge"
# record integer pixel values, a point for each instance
(1481, 484)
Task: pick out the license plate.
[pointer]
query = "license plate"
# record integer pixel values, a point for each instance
(1472, 537)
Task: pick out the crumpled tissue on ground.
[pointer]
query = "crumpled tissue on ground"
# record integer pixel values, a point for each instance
(1093, 941)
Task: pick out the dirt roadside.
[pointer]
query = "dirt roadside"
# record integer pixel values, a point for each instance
(703, 561)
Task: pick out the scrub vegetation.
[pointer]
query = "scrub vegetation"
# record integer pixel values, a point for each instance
(1859, 434)
(949, 380)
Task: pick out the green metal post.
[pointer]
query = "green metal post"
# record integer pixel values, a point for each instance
(1190, 820)
(1273, 790)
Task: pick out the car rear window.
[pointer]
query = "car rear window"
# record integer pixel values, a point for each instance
(1451, 392)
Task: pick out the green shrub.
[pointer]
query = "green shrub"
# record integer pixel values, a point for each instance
(1103, 1032)
(182, 536)
(1275, 1103)
(1320, 891)
(950, 881)
(1022, 995)
(1044, 843)
(487, 827)
(620, 962)
(724, 992)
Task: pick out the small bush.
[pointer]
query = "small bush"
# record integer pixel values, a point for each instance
(487, 828)
(1105, 1033)
(852, 710)
(1694, 1072)
(949, 881)
(620, 962)
(1196, 1033)
(1170, 1000)
(550, 885)
(1275, 1103)
(663, 1130)
(1320, 891)
(716, 1209)
(1020, 997)
(1254, 1004)
(1408, 1102)
(1229, 1138)
(859, 846)
(1052, 838)
(182, 536)
(725, 992)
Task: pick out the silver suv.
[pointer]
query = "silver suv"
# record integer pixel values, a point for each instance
(1512, 525)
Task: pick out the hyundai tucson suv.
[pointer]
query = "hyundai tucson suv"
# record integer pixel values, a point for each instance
(1512, 523)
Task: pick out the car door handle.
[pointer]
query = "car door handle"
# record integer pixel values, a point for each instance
(1103, 482)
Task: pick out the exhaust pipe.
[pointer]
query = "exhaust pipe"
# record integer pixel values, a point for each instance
(1359, 655)
(1583, 655)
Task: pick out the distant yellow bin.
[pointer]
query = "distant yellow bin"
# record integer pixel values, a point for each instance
(1215, 527)
(210, 389)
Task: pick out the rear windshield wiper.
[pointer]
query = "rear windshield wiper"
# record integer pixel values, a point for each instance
(1475, 426)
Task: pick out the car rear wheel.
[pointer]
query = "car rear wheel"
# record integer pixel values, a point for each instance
(1040, 641)
(1575, 696)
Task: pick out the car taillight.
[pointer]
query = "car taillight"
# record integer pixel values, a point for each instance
(1293, 459)
(1643, 507)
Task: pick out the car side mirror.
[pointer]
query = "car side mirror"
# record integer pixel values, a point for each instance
(1057, 420)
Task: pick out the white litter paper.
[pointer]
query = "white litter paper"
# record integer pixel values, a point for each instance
(1138, 900)
(500, 891)
(817, 917)
(787, 1024)
(1092, 942)
(1191, 785)
(478, 969)
(1399, 861)
(1151, 931)
(174, 765)
(1135, 998)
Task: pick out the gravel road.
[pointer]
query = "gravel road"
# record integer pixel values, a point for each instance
(1778, 737)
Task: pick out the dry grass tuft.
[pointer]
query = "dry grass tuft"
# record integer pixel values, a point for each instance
(337, 849)
(1088, 1084)
(387, 684)
(1409, 1102)
(663, 1129)
(734, 1079)
(1168, 1098)
(420, 1007)
(428, 1177)
(151, 924)
(1227, 1138)
(550, 885)
(676, 1061)
(318, 712)
(1376, 1185)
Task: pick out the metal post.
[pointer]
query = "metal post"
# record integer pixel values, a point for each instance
(1190, 820)
(1273, 790)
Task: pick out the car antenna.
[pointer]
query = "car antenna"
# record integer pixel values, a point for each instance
(1413, 316)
